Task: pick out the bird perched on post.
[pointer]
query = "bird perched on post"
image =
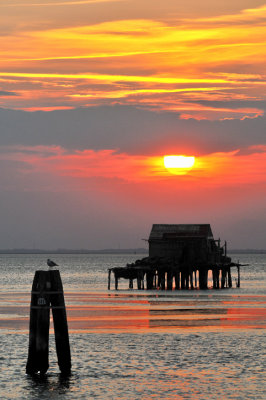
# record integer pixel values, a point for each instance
(51, 264)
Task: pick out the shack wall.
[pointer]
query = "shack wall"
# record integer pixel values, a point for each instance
(193, 250)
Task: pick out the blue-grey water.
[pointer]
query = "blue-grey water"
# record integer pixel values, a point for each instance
(131, 344)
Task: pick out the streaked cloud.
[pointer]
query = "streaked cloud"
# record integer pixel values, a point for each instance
(216, 169)
(55, 3)
(163, 64)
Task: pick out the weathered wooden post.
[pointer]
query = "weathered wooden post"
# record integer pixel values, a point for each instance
(223, 279)
(183, 279)
(60, 322)
(169, 280)
(47, 290)
(139, 280)
(177, 280)
(238, 276)
(203, 278)
(39, 325)
(109, 278)
(116, 280)
(161, 276)
(149, 279)
(229, 277)
(195, 278)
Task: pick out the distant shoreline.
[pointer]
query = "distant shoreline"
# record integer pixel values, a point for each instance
(74, 251)
(110, 251)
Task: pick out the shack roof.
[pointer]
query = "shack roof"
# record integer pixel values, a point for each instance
(167, 231)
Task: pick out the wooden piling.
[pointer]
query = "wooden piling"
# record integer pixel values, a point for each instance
(116, 281)
(47, 290)
(39, 325)
(149, 279)
(139, 280)
(203, 278)
(238, 276)
(161, 279)
(229, 277)
(183, 280)
(109, 279)
(169, 280)
(195, 278)
(223, 279)
(60, 322)
(177, 280)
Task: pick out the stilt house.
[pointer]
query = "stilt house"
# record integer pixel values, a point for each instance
(180, 257)
(193, 243)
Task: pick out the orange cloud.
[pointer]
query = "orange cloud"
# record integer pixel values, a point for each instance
(217, 169)
(139, 57)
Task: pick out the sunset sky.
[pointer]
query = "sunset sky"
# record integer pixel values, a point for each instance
(93, 95)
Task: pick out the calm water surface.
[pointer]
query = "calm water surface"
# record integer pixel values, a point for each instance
(137, 344)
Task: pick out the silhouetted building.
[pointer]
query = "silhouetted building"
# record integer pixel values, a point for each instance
(192, 242)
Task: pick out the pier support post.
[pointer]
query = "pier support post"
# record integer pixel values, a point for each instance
(139, 280)
(223, 279)
(161, 279)
(229, 277)
(183, 280)
(149, 279)
(203, 278)
(116, 281)
(238, 276)
(169, 280)
(195, 278)
(109, 279)
(191, 280)
(177, 280)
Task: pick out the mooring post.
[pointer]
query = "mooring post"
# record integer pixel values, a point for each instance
(60, 322)
(47, 289)
(39, 325)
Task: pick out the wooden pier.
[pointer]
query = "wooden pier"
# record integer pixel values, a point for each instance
(180, 257)
(167, 274)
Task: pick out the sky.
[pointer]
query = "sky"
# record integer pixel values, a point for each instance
(94, 94)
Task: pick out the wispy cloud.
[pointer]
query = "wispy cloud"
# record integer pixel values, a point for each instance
(145, 61)
(56, 3)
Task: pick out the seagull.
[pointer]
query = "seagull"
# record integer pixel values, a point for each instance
(51, 264)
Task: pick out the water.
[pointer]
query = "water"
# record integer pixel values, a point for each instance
(137, 344)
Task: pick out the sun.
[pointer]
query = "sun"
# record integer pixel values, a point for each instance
(179, 164)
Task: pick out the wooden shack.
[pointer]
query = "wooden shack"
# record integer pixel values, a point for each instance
(180, 257)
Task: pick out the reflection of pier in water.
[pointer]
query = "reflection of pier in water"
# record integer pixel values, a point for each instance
(180, 257)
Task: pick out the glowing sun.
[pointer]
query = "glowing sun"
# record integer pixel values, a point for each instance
(178, 164)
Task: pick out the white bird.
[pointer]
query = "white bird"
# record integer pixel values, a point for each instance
(51, 263)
